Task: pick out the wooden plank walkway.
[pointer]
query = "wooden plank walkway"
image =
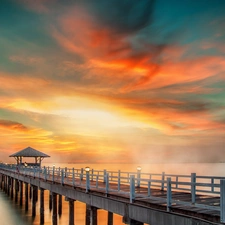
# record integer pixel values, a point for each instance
(158, 199)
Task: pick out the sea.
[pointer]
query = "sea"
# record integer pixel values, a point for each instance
(12, 213)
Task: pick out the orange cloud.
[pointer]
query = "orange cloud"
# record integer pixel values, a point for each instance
(13, 125)
(111, 59)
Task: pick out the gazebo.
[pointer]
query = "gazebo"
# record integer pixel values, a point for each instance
(31, 153)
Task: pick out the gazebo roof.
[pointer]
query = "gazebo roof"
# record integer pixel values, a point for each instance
(29, 152)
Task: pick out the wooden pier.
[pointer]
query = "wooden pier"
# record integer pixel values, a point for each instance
(155, 199)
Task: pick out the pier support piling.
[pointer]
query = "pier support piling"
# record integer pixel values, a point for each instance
(54, 208)
(60, 205)
(21, 193)
(88, 214)
(16, 190)
(42, 218)
(110, 218)
(26, 196)
(12, 188)
(94, 215)
(71, 212)
(34, 200)
(30, 192)
(8, 185)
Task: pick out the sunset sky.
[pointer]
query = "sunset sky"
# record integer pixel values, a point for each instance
(113, 80)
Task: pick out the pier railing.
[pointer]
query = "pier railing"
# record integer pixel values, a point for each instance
(134, 185)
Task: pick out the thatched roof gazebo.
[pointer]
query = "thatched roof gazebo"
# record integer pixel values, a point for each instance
(31, 153)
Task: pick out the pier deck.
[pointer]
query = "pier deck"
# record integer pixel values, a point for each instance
(170, 199)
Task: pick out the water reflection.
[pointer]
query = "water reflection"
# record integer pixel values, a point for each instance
(14, 214)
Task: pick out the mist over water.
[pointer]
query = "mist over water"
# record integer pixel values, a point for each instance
(12, 213)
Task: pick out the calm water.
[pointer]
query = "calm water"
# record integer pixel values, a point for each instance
(12, 213)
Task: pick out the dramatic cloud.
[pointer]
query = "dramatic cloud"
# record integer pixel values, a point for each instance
(106, 79)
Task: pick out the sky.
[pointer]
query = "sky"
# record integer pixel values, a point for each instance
(113, 81)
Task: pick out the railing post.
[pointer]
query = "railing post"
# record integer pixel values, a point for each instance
(132, 188)
(163, 179)
(66, 172)
(53, 174)
(118, 180)
(73, 178)
(107, 184)
(62, 177)
(149, 188)
(222, 201)
(212, 182)
(87, 181)
(45, 173)
(59, 172)
(138, 176)
(81, 173)
(104, 178)
(97, 181)
(92, 174)
(176, 181)
(169, 194)
(193, 187)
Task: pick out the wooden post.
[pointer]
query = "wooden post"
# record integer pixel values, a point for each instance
(54, 208)
(81, 173)
(94, 215)
(87, 181)
(12, 188)
(110, 218)
(92, 174)
(21, 193)
(26, 196)
(16, 190)
(138, 176)
(71, 212)
(193, 187)
(5, 184)
(8, 185)
(169, 194)
(42, 209)
(45, 173)
(30, 192)
(62, 177)
(34, 198)
(132, 188)
(126, 218)
(149, 188)
(163, 179)
(88, 214)
(118, 180)
(107, 184)
(2, 176)
(73, 178)
(104, 176)
(53, 174)
(60, 205)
